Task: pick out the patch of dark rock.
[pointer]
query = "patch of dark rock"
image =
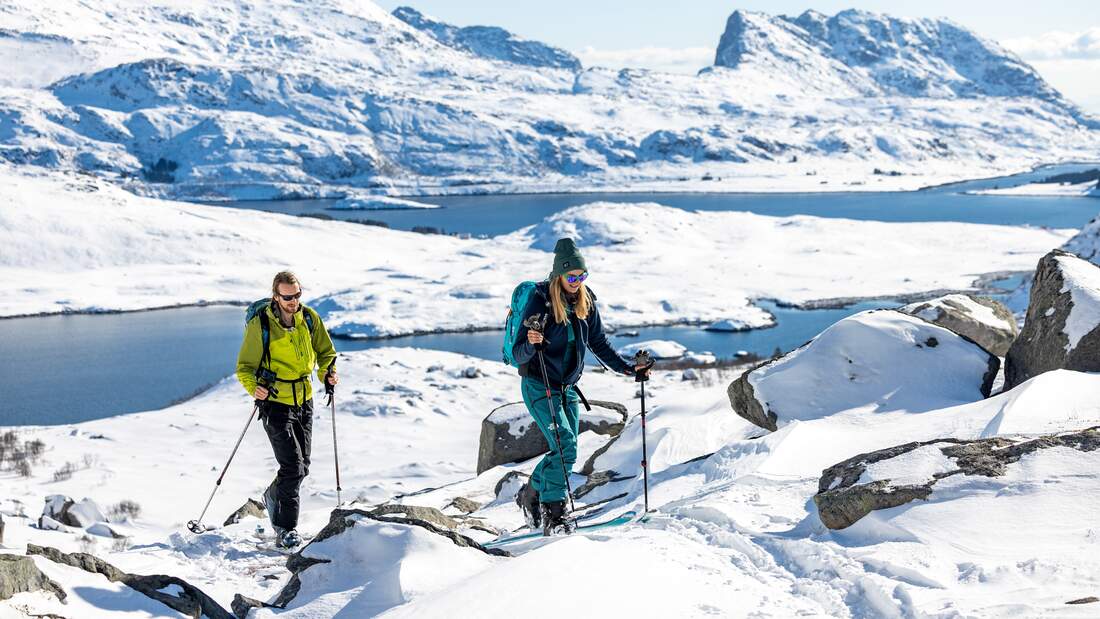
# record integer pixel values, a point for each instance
(251, 507)
(191, 601)
(19, 574)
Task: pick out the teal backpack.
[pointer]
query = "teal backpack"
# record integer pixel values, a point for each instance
(520, 297)
(256, 308)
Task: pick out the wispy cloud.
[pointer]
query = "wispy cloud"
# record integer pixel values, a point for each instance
(672, 60)
(1058, 46)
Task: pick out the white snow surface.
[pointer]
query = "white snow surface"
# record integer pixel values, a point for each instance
(1082, 280)
(140, 253)
(1073, 190)
(733, 533)
(914, 467)
(378, 203)
(873, 362)
(245, 99)
(658, 349)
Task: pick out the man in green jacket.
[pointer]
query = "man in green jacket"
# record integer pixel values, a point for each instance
(280, 382)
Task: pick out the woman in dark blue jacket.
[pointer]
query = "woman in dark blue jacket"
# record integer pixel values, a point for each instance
(572, 326)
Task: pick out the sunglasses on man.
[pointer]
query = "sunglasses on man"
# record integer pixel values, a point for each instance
(290, 297)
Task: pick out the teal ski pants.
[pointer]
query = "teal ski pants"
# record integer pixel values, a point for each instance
(548, 478)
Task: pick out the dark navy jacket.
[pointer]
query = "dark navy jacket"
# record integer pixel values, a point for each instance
(589, 336)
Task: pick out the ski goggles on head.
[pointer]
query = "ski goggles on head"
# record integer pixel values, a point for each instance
(575, 279)
(290, 297)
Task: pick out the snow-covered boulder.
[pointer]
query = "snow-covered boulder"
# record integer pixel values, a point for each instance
(658, 349)
(375, 563)
(895, 476)
(875, 361)
(420, 513)
(509, 434)
(1063, 314)
(986, 321)
(70, 513)
(19, 574)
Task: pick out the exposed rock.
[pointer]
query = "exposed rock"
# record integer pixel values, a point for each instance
(243, 605)
(472, 372)
(191, 601)
(841, 500)
(340, 521)
(1089, 600)
(251, 507)
(416, 512)
(690, 374)
(985, 321)
(19, 574)
(881, 358)
(509, 434)
(1, 529)
(1063, 314)
(464, 505)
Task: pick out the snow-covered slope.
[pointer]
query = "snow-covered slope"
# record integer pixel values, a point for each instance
(138, 253)
(287, 98)
(873, 54)
(734, 531)
(490, 42)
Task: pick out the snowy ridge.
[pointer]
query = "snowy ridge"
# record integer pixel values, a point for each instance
(490, 42)
(871, 54)
(276, 99)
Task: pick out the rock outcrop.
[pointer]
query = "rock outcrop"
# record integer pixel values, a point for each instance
(982, 319)
(509, 434)
(850, 490)
(251, 507)
(1063, 314)
(19, 574)
(189, 600)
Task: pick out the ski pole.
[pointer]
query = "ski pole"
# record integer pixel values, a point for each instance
(535, 323)
(642, 358)
(196, 526)
(331, 391)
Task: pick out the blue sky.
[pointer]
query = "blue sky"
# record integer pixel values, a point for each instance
(1061, 39)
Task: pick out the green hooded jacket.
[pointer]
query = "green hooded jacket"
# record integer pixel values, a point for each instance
(294, 354)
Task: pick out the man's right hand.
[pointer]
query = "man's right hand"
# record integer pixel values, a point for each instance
(534, 337)
(260, 393)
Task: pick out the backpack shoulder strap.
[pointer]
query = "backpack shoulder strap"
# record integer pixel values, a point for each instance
(265, 337)
(307, 314)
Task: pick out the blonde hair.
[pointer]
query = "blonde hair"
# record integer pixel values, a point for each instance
(284, 277)
(557, 301)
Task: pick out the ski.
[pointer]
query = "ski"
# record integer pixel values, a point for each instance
(625, 518)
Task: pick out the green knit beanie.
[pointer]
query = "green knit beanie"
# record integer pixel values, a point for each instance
(567, 258)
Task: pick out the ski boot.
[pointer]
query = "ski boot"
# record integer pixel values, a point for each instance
(288, 539)
(555, 520)
(528, 501)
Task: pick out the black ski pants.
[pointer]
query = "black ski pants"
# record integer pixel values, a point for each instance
(290, 431)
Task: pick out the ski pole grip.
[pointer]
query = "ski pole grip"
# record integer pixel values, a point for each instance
(330, 389)
(642, 358)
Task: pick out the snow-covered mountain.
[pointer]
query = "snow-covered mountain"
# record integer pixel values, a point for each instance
(282, 98)
(490, 42)
(869, 54)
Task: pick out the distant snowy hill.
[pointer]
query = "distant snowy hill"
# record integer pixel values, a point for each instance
(490, 42)
(288, 98)
(870, 54)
